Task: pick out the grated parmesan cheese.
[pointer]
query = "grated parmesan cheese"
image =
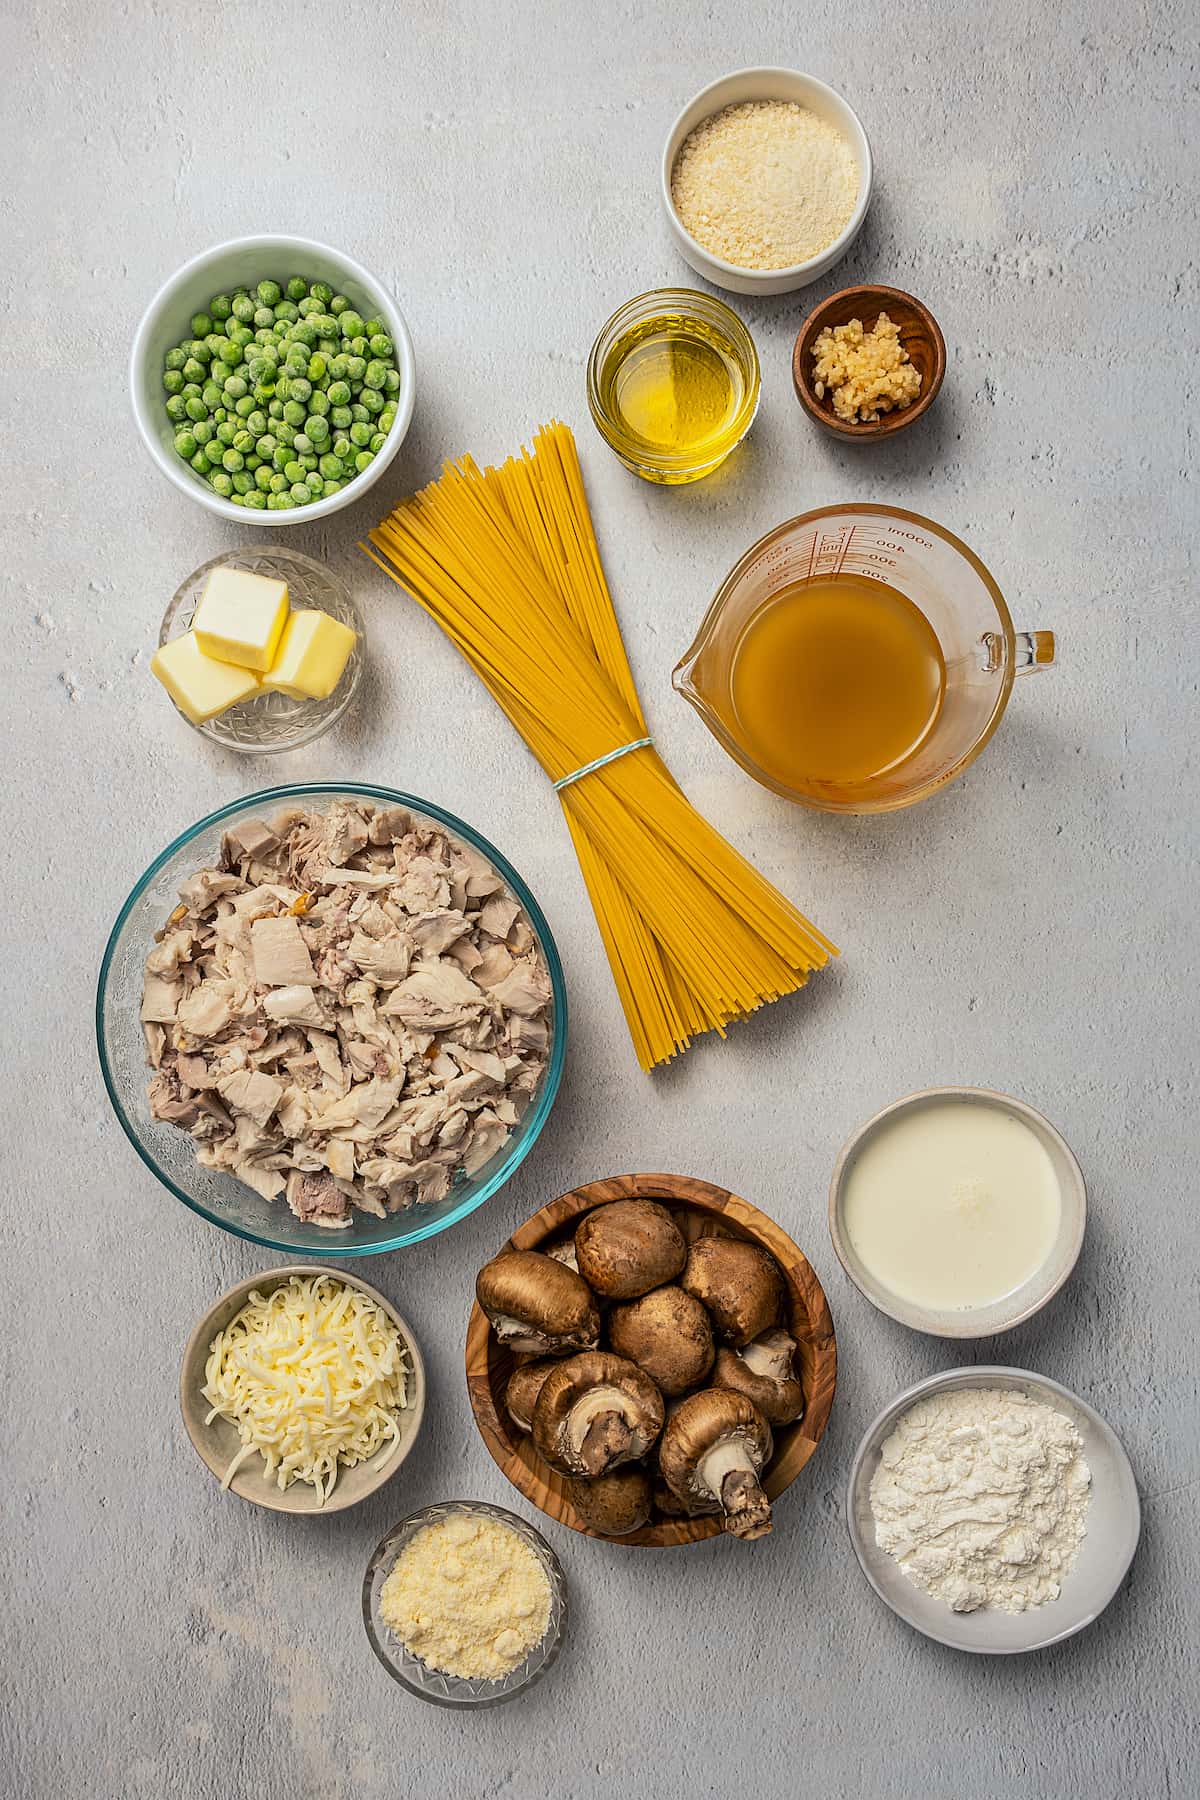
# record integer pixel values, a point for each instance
(468, 1596)
(314, 1376)
(765, 184)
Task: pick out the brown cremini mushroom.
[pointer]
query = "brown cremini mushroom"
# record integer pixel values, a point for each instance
(741, 1285)
(672, 1507)
(713, 1448)
(626, 1249)
(614, 1504)
(564, 1252)
(524, 1386)
(765, 1371)
(668, 1334)
(536, 1304)
(595, 1412)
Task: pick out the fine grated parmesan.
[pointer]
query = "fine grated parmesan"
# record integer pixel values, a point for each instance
(468, 1596)
(314, 1375)
(765, 184)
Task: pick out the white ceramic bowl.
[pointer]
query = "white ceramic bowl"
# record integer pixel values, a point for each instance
(767, 84)
(1023, 1302)
(240, 263)
(1114, 1524)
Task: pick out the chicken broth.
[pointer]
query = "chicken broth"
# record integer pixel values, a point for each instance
(836, 682)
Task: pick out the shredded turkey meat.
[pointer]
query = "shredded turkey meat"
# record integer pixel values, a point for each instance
(350, 1011)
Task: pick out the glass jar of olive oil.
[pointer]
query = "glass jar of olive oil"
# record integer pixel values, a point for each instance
(673, 384)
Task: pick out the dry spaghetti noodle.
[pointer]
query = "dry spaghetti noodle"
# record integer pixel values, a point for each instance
(506, 561)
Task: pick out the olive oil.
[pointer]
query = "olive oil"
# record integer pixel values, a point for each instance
(673, 389)
(836, 682)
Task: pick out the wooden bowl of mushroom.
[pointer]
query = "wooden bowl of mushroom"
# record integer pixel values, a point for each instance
(651, 1360)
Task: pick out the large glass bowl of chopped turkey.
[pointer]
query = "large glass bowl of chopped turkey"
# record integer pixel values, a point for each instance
(331, 1019)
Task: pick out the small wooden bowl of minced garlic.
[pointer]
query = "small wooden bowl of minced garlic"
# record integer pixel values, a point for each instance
(464, 1604)
(868, 362)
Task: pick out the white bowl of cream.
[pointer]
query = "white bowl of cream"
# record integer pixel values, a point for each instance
(958, 1211)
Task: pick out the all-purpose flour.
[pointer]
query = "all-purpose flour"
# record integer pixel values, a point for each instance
(982, 1496)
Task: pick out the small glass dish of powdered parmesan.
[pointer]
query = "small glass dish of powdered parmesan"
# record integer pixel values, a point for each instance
(766, 179)
(465, 1604)
(993, 1510)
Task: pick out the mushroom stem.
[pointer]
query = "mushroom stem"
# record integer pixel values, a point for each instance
(727, 1472)
(602, 1429)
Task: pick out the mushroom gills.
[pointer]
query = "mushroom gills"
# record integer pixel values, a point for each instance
(516, 1335)
(603, 1428)
(770, 1356)
(728, 1474)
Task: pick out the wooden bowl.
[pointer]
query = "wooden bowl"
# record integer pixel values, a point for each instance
(700, 1210)
(217, 1444)
(920, 335)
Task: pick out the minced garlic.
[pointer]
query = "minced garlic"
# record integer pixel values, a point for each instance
(867, 372)
(765, 185)
(468, 1596)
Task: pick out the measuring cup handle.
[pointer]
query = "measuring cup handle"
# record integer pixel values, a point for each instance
(1034, 650)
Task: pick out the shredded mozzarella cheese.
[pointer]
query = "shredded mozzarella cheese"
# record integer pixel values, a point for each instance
(314, 1376)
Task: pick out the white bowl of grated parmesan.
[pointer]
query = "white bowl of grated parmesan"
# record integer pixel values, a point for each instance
(766, 179)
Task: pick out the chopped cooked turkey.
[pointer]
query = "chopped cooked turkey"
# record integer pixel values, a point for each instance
(350, 1010)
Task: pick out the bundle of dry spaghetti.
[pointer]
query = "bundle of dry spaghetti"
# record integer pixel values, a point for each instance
(506, 561)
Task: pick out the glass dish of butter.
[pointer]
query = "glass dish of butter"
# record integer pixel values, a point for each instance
(296, 676)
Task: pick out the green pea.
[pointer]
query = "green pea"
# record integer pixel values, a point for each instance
(357, 368)
(264, 338)
(299, 388)
(341, 418)
(222, 484)
(360, 435)
(242, 483)
(339, 367)
(297, 360)
(220, 306)
(372, 400)
(322, 291)
(173, 381)
(270, 293)
(174, 359)
(199, 462)
(262, 476)
(294, 469)
(375, 327)
(281, 457)
(377, 442)
(341, 446)
(219, 413)
(264, 392)
(243, 441)
(213, 453)
(316, 429)
(331, 466)
(201, 324)
(196, 409)
(232, 460)
(238, 499)
(318, 402)
(350, 322)
(235, 386)
(202, 431)
(279, 331)
(266, 440)
(274, 409)
(190, 390)
(253, 463)
(360, 346)
(294, 413)
(299, 493)
(387, 417)
(259, 369)
(279, 483)
(272, 502)
(285, 433)
(240, 334)
(308, 306)
(185, 444)
(264, 318)
(338, 304)
(363, 460)
(230, 354)
(391, 381)
(176, 408)
(256, 422)
(286, 311)
(245, 406)
(226, 431)
(243, 308)
(255, 500)
(333, 487)
(210, 393)
(303, 332)
(302, 444)
(284, 502)
(318, 365)
(339, 393)
(381, 344)
(314, 483)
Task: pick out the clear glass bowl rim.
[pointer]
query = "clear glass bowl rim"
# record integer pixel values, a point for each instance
(684, 301)
(509, 1686)
(540, 1108)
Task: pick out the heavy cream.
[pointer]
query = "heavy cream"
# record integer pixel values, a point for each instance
(952, 1205)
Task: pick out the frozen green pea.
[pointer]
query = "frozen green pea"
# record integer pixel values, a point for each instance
(333, 487)
(264, 392)
(202, 431)
(299, 493)
(316, 429)
(185, 444)
(314, 484)
(221, 484)
(360, 435)
(195, 408)
(318, 402)
(284, 502)
(243, 441)
(199, 350)
(308, 461)
(264, 318)
(176, 408)
(299, 388)
(280, 331)
(285, 433)
(226, 431)
(201, 324)
(338, 304)
(279, 482)
(199, 462)
(373, 401)
(377, 442)
(341, 445)
(294, 469)
(350, 322)
(232, 460)
(245, 406)
(360, 346)
(235, 386)
(363, 460)
(174, 359)
(387, 417)
(357, 368)
(331, 466)
(286, 311)
(303, 444)
(381, 344)
(218, 414)
(270, 293)
(339, 368)
(220, 306)
(255, 500)
(253, 463)
(375, 327)
(373, 376)
(231, 354)
(308, 306)
(391, 381)
(173, 381)
(256, 422)
(241, 334)
(243, 308)
(210, 393)
(190, 390)
(242, 483)
(268, 443)
(303, 332)
(274, 408)
(322, 291)
(294, 413)
(238, 499)
(297, 361)
(339, 393)
(341, 418)
(318, 365)
(262, 476)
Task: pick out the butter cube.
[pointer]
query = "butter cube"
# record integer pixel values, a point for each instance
(200, 686)
(241, 617)
(312, 654)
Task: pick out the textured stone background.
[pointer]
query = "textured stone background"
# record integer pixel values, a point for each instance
(1032, 929)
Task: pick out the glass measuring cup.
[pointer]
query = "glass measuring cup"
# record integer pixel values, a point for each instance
(928, 566)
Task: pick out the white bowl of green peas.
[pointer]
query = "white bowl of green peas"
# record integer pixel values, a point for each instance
(272, 380)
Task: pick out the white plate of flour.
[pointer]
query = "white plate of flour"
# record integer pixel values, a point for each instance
(948, 1479)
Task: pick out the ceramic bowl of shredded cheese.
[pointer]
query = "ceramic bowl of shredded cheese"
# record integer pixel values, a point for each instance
(766, 180)
(302, 1390)
(465, 1604)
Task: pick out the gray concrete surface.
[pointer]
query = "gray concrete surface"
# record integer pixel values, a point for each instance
(1032, 929)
